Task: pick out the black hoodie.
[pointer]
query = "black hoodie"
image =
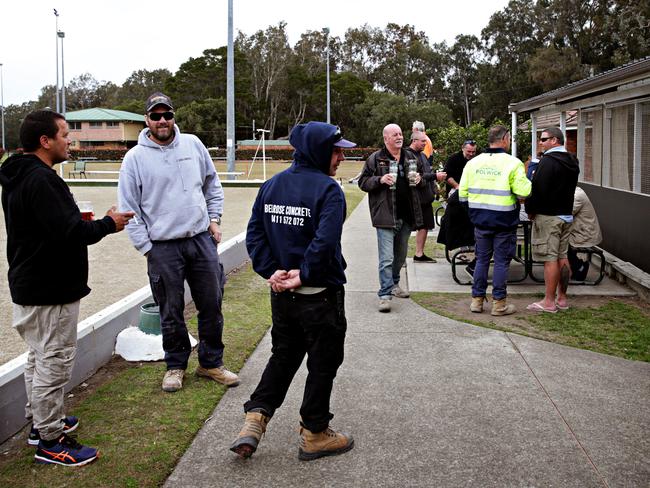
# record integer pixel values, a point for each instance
(554, 184)
(46, 238)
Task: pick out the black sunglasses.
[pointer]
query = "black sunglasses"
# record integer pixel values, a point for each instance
(156, 116)
(544, 139)
(471, 142)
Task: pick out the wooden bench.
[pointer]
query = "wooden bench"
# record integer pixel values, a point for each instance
(102, 172)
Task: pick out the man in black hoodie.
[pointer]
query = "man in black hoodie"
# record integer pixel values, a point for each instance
(550, 207)
(48, 273)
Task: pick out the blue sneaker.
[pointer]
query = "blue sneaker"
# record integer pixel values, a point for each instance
(69, 424)
(66, 452)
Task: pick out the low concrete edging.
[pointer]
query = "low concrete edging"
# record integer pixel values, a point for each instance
(95, 342)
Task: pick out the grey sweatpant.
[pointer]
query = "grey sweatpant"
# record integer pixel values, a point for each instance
(50, 332)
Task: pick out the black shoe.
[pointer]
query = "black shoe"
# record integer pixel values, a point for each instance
(424, 259)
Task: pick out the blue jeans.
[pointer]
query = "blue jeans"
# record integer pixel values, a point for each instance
(194, 259)
(502, 244)
(392, 246)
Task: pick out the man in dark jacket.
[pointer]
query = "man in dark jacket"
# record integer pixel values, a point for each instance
(48, 273)
(395, 208)
(550, 207)
(294, 241)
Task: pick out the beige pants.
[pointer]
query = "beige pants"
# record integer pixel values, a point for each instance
(50, 332)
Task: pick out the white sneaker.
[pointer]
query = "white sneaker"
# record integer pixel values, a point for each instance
(399, 293)
(173, 380)
(384, 305)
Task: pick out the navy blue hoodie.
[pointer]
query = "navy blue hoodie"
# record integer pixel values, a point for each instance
(298, 215)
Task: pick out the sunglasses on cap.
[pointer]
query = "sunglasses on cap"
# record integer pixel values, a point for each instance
(156, 116)
(471, 142)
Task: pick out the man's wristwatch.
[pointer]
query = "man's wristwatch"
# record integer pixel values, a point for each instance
(216, 220)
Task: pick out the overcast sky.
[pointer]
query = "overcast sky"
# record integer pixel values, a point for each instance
(111, 39)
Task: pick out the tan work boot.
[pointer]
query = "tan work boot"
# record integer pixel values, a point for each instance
(326, 443)
(384, 305)
(220, 375)
(500, 307)
(173, 380)
(251, 434)
(477, 304)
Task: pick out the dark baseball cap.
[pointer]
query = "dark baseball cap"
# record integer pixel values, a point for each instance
(340, 142)
(158, 98)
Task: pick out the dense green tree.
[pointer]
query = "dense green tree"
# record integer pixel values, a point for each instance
(206, 119)
(463, 58)
(14, 115)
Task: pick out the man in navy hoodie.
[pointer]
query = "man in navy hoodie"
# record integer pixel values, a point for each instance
(294, 241)
(47, 250)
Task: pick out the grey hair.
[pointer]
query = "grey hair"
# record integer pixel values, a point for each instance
(419, 126)
(496, 133)
(555, 132)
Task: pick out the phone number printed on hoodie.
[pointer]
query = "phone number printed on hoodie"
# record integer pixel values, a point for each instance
(287, 214)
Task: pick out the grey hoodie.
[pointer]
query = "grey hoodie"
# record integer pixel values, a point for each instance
(174, 190)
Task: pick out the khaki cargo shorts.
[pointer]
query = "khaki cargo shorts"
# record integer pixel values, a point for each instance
(550, 238)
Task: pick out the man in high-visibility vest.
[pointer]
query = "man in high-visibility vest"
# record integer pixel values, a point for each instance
(491, 185)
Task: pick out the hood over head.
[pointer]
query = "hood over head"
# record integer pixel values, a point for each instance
(314, 142)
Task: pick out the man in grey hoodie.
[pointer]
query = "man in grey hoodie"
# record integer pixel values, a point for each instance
(170, 183)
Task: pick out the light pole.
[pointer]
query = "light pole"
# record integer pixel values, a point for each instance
(2, 106)
(61, 36)
(326, 30)
(56, 87)
(230, 96)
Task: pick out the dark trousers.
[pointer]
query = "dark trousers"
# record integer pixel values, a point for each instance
(502, 245)
(196, 260)
(304, 324)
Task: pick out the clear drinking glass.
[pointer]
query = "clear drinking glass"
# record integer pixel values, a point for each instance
(413, 171)
(86, 209)
(392, 170)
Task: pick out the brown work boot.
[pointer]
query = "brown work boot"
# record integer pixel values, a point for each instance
(173, 380)
(500, 307)
(326, 443)
(477, 304)
(251, 434)
(220, 375)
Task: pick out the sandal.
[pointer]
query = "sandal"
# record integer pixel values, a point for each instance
(538, 307)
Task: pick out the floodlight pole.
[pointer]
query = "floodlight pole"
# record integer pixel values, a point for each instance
(61, 36)
(56, 87)
(326, 30)
(230, 96)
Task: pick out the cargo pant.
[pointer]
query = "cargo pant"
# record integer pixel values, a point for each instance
(50, 332)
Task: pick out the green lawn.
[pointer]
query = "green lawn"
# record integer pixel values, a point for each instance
(141, 431)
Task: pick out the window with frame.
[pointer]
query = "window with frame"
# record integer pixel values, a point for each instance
(644, 151)
(621, 147)
(592, 125)
(74, 125)
(111, 125)
(96, 125)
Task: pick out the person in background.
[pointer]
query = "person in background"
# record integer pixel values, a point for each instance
(491, 185)
(427, 150)
(456, 164)
(169, 181)
(395, 209)
(584, 232)
(550, 207)
(47, 250)
(294, 241)
(427, 195)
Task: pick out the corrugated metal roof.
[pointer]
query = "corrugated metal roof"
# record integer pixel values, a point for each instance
(92, 114)
(602, 81)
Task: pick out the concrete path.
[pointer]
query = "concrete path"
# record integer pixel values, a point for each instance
(435, 402)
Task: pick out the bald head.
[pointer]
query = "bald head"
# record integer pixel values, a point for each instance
(393, 138)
